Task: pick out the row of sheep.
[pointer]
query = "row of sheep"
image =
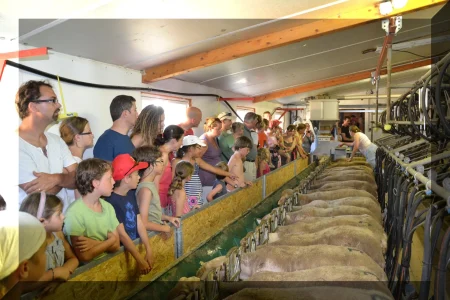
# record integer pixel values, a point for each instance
(332, 233)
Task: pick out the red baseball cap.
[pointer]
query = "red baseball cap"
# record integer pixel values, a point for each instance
(124, 165)
(274, 123)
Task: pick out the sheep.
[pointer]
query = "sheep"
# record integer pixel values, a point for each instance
(314, 224)
(212, 264)
(344, 176)
(283, 258)
(185, 287)
(353, 184)
(342, 210)
(333, 195)
(349, 236)
(312, 293)
(364, 202)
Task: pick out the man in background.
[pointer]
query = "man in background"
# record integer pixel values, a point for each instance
(115, 141)
(267, 115)
(345, 130)
(193, 119)
(227, 120)
(250, 124)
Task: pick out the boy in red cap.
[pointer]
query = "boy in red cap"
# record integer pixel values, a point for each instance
(123, 199)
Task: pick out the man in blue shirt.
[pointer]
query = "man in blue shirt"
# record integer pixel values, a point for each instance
(115, 140)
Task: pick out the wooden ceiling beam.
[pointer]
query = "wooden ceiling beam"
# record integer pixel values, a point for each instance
(334, 19)
(336, 81)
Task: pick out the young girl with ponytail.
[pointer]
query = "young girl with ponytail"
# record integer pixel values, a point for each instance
(180, 202)
(168, 142)
(191, 152)
(61, 261)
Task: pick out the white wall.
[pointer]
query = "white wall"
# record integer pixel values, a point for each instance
(93, 103)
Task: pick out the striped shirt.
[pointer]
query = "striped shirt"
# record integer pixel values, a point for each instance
(194, 189)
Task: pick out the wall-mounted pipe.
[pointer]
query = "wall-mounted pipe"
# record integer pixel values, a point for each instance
(358, 97)
(237, 99)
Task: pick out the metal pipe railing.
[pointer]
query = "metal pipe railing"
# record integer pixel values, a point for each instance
(429, 184)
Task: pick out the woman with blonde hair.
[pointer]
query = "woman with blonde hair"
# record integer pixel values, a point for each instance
(211, 154)
(148, 125)
(362, 143)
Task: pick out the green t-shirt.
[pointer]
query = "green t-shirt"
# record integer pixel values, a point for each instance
(82, 221)
(226, 143)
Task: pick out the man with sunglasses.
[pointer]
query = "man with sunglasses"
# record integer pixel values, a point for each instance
(45, 161)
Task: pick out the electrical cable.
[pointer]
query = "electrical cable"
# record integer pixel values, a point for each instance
(418, 55)
(112, 87)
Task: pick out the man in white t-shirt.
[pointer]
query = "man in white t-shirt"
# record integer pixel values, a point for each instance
(45, 162)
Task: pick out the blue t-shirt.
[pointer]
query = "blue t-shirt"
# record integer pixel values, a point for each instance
(223, 191)
(111, 143)
(127, 210)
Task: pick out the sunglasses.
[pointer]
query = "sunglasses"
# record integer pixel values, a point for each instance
(85, 133)
(54, 101)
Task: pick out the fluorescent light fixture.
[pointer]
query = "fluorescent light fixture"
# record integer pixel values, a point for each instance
(399, 3)
(243, 80)
(385, 8)
(418, 43)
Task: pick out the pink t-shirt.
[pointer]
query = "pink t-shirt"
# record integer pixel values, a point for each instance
(264, 172)
(164, 184)
(186, 208)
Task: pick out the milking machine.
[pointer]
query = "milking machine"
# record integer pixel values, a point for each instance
(412, 195)
(412, 173)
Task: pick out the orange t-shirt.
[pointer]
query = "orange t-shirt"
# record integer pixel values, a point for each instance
(262, 139)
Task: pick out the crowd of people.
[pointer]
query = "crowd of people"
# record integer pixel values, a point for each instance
(143, 177)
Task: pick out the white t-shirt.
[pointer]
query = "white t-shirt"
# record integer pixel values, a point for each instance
(70, 192)
(364, 143)
(32, 158)
(254, 137)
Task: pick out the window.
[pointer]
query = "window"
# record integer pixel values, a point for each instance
(242, 111)
(174, 107)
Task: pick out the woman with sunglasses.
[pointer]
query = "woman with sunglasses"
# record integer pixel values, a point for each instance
(78, 136)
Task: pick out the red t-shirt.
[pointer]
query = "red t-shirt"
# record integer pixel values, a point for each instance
(262, 139)
(187, 132)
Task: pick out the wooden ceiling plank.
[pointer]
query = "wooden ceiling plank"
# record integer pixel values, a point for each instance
(336, 81)
(337, 20)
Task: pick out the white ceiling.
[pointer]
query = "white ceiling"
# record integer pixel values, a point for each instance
(155, 39)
